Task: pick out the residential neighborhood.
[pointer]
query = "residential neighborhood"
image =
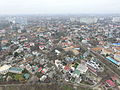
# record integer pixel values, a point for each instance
(76, 50)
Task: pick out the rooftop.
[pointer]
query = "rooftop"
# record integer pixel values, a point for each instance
(111, 83)
(5, 67)
(15, 69)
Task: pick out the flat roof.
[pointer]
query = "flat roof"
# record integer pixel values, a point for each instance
(15, 69)
(4, 67)
(116, 44)
(112, 60)
(110, 82)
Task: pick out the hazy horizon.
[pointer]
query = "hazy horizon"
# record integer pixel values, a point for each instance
(13, 7)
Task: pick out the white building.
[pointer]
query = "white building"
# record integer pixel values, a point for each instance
(58, 52)
(43, 78)
(82, 68)
(88, 20)
(116, 19)
(4, 69)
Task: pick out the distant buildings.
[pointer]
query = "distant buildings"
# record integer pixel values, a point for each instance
(116, 19)
(88, 20)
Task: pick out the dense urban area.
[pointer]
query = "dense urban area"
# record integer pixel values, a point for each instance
(60, 52)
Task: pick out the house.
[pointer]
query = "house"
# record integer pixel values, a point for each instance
(73, 49)
(32, 44)
(4, 41)
(22, 66)
(77, 48)
(84, 41)
(41, 47)
(71, 59)
(78, 80)
(117, 57)
(82, 68)
(35, 53)
(18, 50)
(107, 51)
(23, 39)
(76, 73)
(26, 76)
(102, 42)
(43, 78)
(76, 52)
(40, 69)
(68, 48)
(116, 49)
(94, 66)
(28, 67)
(35, 68)
(57, 51)
(97, 49)
(50, 74)
(4, 69)
(44, 70)
(4, 48)
(66, 68)
(110, 83)
(65, 44)
(58, 63)
(91, 69)
(86, 54)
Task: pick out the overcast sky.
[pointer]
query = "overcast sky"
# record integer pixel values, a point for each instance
(59, 6)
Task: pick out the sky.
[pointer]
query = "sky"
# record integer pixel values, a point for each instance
(59, 7)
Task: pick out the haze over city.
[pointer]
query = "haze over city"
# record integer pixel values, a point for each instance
(59, 45)
(59, 7)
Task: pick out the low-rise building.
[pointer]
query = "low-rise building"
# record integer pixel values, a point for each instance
(4, 69)
(106, 51)
(82, 68)
(117, 57)
(15, 70)
(43, 78)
